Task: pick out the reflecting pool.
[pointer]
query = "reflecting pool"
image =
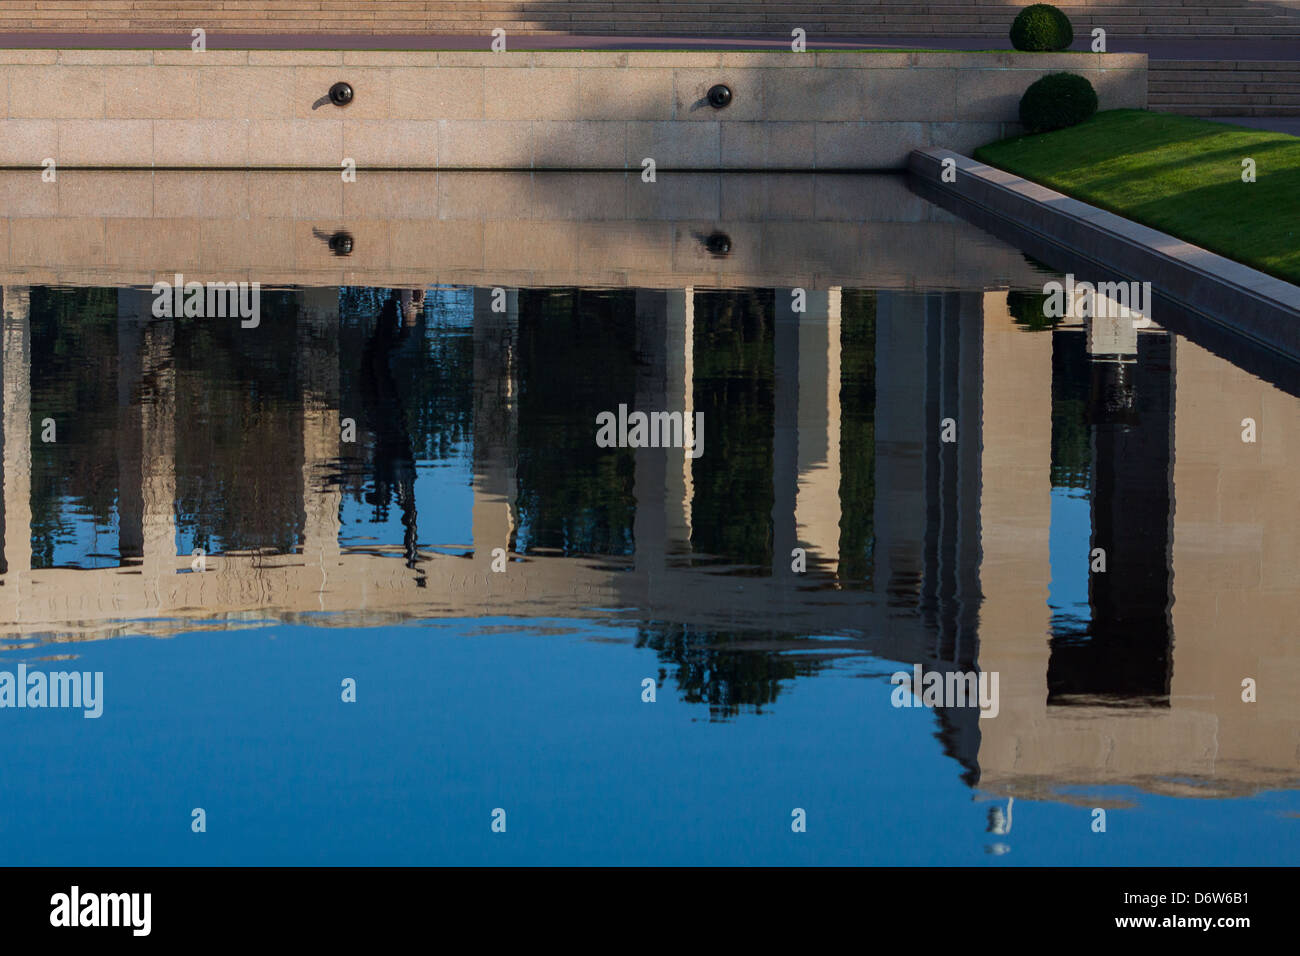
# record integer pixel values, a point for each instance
(361, 581)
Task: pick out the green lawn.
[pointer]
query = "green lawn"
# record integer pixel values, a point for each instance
(1176, 174)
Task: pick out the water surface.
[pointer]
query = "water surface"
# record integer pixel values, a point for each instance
(348, 468)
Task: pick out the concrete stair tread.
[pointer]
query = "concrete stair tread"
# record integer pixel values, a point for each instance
(1247, 88)
(1226, 110)
(1232, 65)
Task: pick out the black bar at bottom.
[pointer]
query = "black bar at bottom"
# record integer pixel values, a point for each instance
(337, 905)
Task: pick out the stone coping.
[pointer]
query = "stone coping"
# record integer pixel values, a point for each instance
(1254, 304)
(854, 58)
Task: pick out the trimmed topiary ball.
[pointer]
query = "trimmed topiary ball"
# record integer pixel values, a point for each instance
(1056, 101)
(1041, 28)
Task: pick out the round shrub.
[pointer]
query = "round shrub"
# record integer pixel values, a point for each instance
(1040, 28)
(1056, 101)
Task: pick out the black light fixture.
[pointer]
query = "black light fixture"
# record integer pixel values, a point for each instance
(341, 93)
(719, 96)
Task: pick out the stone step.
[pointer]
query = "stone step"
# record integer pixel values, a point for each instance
(884, 26)
(1227, 109)
(1214, 81)
(1121, 18)
(1251, 80)
(1224, 89)
(1261, 99)
(1245, 74)
(1254, 66)
(1263, 85)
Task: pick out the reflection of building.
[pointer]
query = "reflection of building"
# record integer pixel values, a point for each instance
(957, 552)
(1221, 509)
(17, 421)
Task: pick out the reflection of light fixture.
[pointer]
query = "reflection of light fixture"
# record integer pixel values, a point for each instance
(341, 93)
(718, 244)
(339, 242)
(719, 96)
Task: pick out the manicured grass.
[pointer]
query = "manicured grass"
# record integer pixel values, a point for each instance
(1176, 174)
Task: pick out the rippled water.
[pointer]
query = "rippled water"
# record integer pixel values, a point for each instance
(319, 499)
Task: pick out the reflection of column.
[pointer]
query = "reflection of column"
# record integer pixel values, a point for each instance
(785, 437)
(900, 432)
(680, 395)
(950, 583)
(817, 512)
(1129, 646)
(1015, 569)
(17, 435)
(954, 368)
(158, 453)
(960, 320)
(318, 358)
(651, 464)
(496, 422)
(133, 308)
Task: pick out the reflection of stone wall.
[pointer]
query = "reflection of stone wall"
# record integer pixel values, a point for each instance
(899, 517)
(1015, 523)
(1236, 582)
(413, 229)
(1236, 560)
(17, 433)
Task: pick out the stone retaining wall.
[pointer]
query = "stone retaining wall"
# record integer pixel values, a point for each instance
(540, 110)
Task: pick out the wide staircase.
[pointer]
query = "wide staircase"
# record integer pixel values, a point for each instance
(1206, 87)
(846, 18)
(1225, 87)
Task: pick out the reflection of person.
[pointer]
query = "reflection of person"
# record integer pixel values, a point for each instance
(385, 414)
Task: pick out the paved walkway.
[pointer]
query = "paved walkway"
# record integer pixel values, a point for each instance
(1208, 48)
(1276, 124)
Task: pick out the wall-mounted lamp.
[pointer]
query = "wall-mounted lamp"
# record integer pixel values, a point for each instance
(341, 94)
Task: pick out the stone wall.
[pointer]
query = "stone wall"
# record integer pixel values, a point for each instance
(542, 110)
